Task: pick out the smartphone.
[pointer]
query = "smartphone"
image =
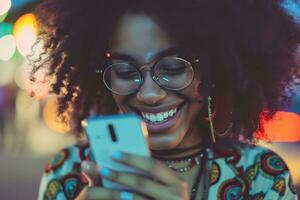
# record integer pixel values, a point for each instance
(110, 133)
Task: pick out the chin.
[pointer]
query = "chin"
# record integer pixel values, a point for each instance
(166, 141)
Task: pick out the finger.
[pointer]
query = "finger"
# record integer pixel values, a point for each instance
(138, 183)
(99, 193)
(153, 167)
(83, 194)
(91, 172)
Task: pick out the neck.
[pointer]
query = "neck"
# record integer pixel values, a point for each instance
(191, 144)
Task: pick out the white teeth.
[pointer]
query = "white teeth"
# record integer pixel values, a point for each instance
(171, 112)
(147, 116)
(144, 115)
(152, 118)
(166, 114)
(158, 117)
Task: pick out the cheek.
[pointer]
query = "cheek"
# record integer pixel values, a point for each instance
(194, 92)
(121, 102)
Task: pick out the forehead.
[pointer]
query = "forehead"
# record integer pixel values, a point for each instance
(140, 37)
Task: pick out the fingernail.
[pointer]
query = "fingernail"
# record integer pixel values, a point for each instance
(105, 171)
(126, 196)
(117, 155)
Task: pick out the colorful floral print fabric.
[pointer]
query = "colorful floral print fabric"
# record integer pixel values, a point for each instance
(237, 172)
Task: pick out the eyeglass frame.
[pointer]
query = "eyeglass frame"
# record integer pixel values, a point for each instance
(153, 77)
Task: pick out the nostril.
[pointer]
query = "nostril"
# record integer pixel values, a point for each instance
(150, 93)
(150, 98)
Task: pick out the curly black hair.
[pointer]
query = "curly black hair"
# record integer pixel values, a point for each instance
(247, 47)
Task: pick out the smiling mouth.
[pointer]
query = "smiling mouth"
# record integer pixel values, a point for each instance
(161, 117)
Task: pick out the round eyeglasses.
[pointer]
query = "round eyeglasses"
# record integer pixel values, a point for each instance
(171, 73)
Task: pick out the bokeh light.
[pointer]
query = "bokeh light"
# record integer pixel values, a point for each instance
(39, 138)
(292, 7)
(6, 29)
(39, 89)
(50, 117)
(283, 127)
(5, 5)
(2, 17)
(25, 32)
(7, 47)
(7, 42)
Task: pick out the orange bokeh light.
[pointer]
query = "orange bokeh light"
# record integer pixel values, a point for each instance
(27, 20)
(283, 127)
(52, 120)
(25, 32)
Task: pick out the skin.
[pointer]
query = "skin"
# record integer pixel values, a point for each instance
(161, 183)
(141, 37)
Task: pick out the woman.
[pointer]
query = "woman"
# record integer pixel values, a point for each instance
(198, 72)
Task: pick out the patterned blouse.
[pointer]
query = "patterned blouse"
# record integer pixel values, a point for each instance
(240, 172)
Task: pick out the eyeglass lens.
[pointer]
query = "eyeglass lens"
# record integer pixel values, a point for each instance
(171, 73)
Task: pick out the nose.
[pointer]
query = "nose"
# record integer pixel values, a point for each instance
(150, 93)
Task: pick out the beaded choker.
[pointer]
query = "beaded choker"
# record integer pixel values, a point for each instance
(190, 163)
(186, 163)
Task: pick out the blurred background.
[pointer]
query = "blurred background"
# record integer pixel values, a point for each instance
(30, 132)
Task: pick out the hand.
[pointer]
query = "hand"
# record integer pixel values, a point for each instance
(160, 183)
(93, 191)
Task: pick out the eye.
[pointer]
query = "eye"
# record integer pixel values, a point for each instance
(172, 68)
(125, 71)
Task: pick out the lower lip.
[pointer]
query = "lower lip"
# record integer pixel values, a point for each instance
(164, 125)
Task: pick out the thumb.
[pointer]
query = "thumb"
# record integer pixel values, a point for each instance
(91, 172)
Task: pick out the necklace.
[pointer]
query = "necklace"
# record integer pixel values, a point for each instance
(191, 162)
(198, 159)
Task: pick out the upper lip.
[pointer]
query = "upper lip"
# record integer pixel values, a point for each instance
(155, 110)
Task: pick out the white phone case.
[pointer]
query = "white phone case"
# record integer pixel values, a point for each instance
(131, 133)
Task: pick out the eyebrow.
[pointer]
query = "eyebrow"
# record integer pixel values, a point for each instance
(166, 52)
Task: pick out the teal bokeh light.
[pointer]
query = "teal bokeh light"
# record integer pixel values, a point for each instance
(5, 29)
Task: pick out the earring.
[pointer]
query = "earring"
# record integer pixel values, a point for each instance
(213, 132)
